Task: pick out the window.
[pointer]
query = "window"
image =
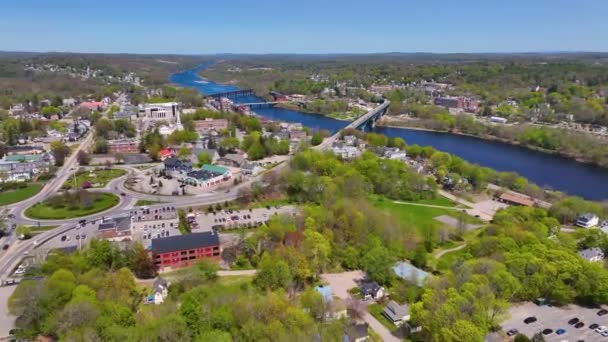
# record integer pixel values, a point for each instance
(183, 252)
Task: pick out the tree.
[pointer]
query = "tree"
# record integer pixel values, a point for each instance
(83, 158)
(203, 158)
(229, 143)
(316, 139)
(140, 262)
(184, 153)
(59, 151)
(272, 274)
(378, 263)
(256, 151)
(317, 249)
(23, 232)
(521, 338)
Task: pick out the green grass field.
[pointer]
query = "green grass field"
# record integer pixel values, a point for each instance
(99, 178)
(43, 211)
(141, 203)
(18, 195)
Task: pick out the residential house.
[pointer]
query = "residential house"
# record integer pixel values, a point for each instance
(251, 169)
(394, 153)
(371, 290)
(350, 140)
(357, 333)
(594, 254)
(346, 152)
(587, 220)
(398, 314)
(115, 229)
(232, 160)
(185, 250)
(165, 153)
(174, 164)
(160, 291)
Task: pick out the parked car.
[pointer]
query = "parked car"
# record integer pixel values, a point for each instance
(530, 319)
(594, 326)
(547, 331)
(600, 329)
(560, 331)
(579, 325)
(512, 332)
(573, 321)
(602, 312)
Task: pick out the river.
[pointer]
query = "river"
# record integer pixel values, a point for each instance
(551, 171)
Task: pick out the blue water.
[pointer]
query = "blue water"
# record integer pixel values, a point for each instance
(546, 170)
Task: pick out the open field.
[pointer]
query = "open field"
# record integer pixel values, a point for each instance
(97, 178)
(44, 211)
(18, 195)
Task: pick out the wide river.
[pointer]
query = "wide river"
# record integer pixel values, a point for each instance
(546, 170)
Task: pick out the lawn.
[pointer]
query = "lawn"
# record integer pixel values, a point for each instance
(18, 195)
(44, 211)
(421, 217)
(98, 178)
(448, 259)
(141, 203)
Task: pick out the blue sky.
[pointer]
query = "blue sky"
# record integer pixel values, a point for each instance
(294, 26)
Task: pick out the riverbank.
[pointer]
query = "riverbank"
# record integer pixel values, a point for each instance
(403, 124)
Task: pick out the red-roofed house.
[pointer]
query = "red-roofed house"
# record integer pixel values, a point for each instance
(93, 105)
(165, 153)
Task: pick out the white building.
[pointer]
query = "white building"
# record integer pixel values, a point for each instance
(587, 220)
(169, 111)
(346, 152)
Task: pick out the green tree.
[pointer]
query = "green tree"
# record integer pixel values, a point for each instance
(203, 158)
(316, 139)
(184, 153)
(378, 263)
(59, 151)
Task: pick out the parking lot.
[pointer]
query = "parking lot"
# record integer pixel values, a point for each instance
(556, 318)
(231, 219)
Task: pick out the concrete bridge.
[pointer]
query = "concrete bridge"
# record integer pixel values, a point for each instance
(233, 94)
(365, 122)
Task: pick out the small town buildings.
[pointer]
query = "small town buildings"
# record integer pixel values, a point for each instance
(157, 218)
(232, 160)
(251, 169)
(165, 153)
(393, 153)
(184, 250)
(174, 164)
(168, 111)
(19, 167)
(357, 333)
(498, 119)
(123, 146)
(516, 199)
(346, 152)
(93, 105)
(460, 102)
(398, 314)
(208, 125)
(115, 229)
(160, 291)
(207, 176)
(594, 254)
(371, 290)
(350, 140)
(587, 220)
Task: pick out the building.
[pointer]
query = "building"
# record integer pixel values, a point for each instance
(410, 273)
(498, 119)
(115, 229)
(123, 146)
(158, 218)
(160, 291)
(169, 111)
(184, 250)
(93, 105)
(356, 333)
(208, 125)
(174, 164)
(394, 153)
(232, 160)
(460, 102)
(594, 254)
(346, 152)
(587, 220)
(207, 176)
(251, 169)
(372, 290)
(398, 314)
(516, 199)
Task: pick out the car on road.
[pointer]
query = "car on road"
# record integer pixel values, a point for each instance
(6, 246)
(20, 270)
(11, 216)
(547, 331)
(594, 326)
(530, 319)
(560, 331)
(579, 325)
(512, 332)
(602, 312)
(63, 238)
(573, 321)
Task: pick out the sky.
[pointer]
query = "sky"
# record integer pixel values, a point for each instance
(295, 26)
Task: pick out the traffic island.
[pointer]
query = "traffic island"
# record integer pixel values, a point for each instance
(71, 205)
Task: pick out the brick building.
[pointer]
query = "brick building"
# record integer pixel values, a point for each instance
(123, 146)
(185, 250)
(208, 125)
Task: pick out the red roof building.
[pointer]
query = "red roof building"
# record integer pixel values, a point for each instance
(165, 153)
(93, 105)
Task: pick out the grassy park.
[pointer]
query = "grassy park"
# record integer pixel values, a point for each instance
(72, 205)
(19, 193)
(97, 178)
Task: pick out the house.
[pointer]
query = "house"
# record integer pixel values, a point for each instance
(232, 160)
(398, 314)
(394, 153)
(516, 199)
(371, 290)
(356, 333)
(346, 152)
(498, 119)
(115, 229)
(174, 164)
(338, 309)
(594, 254)
(165, 153)
(184, 250)
(251, 169)
(160, 291)
(350, 140)
(587, 220)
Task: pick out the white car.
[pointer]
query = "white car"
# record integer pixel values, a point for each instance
(20, 270)
(605, 333)
(601, 329)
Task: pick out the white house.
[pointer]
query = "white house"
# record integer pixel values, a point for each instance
(587, 220)
(160, 291)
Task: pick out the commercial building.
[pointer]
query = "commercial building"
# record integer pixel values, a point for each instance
(208, 125)
(184, 250)
(115, 229)
(460, 102)
(123, 146)
(169, 111)
(174, 164)
(207, 176)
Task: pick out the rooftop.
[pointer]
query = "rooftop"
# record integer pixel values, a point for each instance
(325, 291)
(407, 271)
(117, 223)
(395, 311)
(185, 242)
